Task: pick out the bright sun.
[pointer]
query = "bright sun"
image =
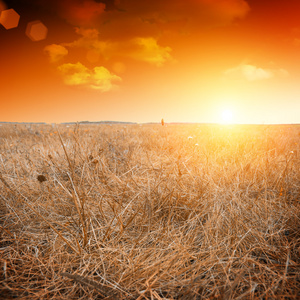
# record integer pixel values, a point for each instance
(227, 116)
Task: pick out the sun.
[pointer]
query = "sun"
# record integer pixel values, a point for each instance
(227, 116)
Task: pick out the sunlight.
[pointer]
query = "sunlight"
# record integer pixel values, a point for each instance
(227, 116)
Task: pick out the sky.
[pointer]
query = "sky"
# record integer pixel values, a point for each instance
(140, 61)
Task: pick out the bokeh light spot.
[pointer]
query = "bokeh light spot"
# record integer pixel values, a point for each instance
(9, 18)
(36, 31)
(93, 56)
(119, 67)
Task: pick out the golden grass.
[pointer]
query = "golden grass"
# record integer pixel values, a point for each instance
(149, 212)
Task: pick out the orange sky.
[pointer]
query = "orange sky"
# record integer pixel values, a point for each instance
(140, 61)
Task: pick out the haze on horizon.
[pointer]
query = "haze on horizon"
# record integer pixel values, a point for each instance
(139, 61)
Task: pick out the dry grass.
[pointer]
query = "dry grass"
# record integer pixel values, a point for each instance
(149, 212)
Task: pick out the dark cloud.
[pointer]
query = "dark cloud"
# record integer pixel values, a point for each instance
(81, 13)
(109, 4)
(75, 12)
(198, 12)
(147, 18)
(131, 15)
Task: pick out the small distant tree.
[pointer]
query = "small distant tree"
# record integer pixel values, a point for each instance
(162, 122)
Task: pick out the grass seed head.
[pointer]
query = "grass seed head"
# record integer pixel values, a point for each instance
(41, 178)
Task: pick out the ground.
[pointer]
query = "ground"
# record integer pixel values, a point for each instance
(134, 211)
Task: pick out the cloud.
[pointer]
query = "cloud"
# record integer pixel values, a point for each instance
(92, 12)
(56, 52)
(148, 15)
(75, 12)
(75, 74)
(87, 33)
(222, 8)
(149, 51)
(227, 10)
(120, 18)
(103, 79)
(144, 49)
(81, 13)
(253, 73)
(116, 30)
(90, 40)
(99, 78)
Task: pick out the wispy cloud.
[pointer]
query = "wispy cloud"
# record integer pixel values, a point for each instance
(56, 52)
(254, 73)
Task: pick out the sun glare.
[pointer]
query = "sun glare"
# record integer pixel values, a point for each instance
(227, 116)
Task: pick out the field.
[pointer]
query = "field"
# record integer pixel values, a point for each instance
(150, 212)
